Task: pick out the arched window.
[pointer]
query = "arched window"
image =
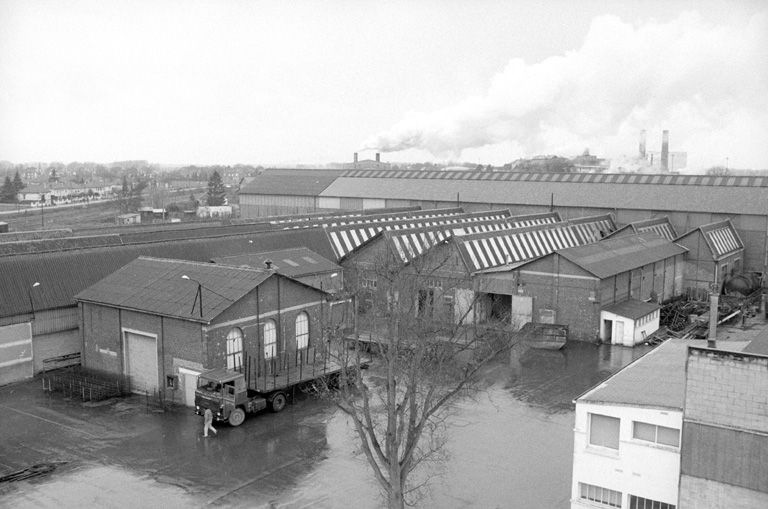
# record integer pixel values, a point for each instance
(235, 348)
(270, 339)
(302, 331)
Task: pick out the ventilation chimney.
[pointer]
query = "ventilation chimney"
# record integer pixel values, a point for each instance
(268, 264)
(355, 157)
(378, 157)
(664, 150)
(642, 144)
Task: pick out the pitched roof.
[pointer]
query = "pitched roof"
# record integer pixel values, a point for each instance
(607, 191)
(659, 225)
(347, 237)
(721, 238)
(288, 185)
(385, 217)
(615, 256)
(157, 286)
(507, 248)
(57, 244)
(632, 308)
(657, 379)
(63, 274)
(320, 218)
(295, 262)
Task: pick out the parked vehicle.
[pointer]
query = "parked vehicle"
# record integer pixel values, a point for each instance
(230, 396)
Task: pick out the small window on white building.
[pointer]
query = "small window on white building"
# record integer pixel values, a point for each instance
(604, 431)
(657, 434)
(270, 339)
(603, 496)
(636, 502)
(235, 348)
(302, 331)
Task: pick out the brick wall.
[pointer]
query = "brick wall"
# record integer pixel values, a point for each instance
(696, 493)
(727, 389)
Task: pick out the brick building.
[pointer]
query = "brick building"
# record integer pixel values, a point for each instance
(600, 290)
(724, 453)
(161, 322)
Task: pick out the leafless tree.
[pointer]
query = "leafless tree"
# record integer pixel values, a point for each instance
(427, 350)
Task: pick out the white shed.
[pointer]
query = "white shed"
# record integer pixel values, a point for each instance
(629, 322)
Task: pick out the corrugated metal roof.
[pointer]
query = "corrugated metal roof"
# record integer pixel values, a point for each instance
(337, 220)
(345, 238)
(629, 192)
(660, 226)
(35, 235)
(156, 286)
(288, 185)
(617, 255)
(591, 178)
(721, 238)
(657, 379)
(63, 274)
(319, 217)
(57, 244)
(495, 249)
(296, 262)
(632, 308)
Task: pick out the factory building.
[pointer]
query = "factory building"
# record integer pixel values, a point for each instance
(161, 322)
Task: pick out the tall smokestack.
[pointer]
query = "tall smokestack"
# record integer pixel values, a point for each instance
(378, 157)
(642, 144)
(664, 150)
(355, 157)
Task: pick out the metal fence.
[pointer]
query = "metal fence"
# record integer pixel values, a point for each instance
(83, 384)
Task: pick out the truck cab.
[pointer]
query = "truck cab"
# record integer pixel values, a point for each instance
(225, 393)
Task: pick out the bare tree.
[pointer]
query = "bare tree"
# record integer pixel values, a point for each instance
(416, 318)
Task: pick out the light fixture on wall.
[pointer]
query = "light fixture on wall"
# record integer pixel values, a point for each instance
(29, 294)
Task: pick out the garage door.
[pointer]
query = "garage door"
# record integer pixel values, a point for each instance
(141, 362)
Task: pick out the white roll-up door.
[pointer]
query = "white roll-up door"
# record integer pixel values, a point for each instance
(141, 361)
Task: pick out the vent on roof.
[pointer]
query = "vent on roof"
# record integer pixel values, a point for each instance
(310, 260)
(290, 262)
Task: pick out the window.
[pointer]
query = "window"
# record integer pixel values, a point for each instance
(658, 434)
(235, 348)
(604, 496)
(604, 431)
(636, 502)
(302, 331)
(270, 339)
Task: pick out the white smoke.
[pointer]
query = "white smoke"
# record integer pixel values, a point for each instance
(707, 84)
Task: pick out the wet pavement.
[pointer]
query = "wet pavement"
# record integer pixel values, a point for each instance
(509, 445)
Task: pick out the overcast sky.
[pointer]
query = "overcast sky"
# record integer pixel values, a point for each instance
(286, 82)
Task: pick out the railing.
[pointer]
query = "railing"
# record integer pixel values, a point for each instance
(86, 385)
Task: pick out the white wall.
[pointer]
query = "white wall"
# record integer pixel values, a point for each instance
(638, 467)
(648, 327)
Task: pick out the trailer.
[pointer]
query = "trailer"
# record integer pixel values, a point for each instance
(259, 384)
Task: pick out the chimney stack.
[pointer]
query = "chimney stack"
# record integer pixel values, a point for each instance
(378, 157)
(355, 157)
(642, 144)
(268, 264)
(664, 150)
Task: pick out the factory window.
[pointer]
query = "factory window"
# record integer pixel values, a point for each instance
(270, 339)
(235, 348)
(657, 434)
(302, 331)
(604, 431)
(636, 502)
(603, 496)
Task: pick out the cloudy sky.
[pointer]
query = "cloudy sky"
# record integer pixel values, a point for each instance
(232, 81)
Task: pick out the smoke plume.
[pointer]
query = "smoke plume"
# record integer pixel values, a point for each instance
(707, 84)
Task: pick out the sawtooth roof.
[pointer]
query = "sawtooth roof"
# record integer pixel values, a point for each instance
(156, 286)
(659, 225)
(617, 255)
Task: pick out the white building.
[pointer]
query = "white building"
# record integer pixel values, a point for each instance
(626, 451)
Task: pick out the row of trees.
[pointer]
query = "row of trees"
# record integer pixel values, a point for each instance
(11, 188)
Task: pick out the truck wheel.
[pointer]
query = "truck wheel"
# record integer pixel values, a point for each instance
(237, 417)
(277, 402)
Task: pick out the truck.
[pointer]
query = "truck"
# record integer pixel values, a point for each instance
(231, 394)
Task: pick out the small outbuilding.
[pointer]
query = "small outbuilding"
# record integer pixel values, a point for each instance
(628, 323)
(161, 322)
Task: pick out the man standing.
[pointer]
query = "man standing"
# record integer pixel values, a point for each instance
(208, 418)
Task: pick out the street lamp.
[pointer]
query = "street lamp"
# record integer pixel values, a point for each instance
(29, 294)
(199, 294)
